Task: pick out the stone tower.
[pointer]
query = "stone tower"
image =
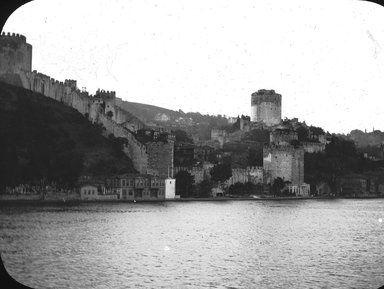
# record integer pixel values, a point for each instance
(266, 107)
(15, 54)
(108, 98)
(285, 162)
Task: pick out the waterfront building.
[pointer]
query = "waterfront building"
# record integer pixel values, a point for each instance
(96, 191)
(302, 190)
(351, 184)
(137, 187)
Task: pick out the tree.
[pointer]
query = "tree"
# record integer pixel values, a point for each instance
(252, 157)
(249, 188)
(184, 184)
(302, 133)
(316, 130)
(182, 136)
(221, 172)
(110, 114)
(66, 168)
(236, 189)
(204, 189)
(277, 186)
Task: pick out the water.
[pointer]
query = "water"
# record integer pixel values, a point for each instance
(234, 244)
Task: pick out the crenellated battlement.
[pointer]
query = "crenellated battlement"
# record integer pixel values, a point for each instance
(13, 36)
(105, 94)
(264, 95)
(71, 83)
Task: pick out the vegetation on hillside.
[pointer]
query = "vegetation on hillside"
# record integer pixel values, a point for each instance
(365, 139)
(45, 142)
(341, 157)
(148, 112)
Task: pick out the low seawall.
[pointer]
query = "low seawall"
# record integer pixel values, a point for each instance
(20, 197)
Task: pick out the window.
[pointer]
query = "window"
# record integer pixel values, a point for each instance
(123, 183)
(153, 193)
(138, 193)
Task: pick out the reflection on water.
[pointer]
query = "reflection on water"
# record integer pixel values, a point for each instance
(234, 244)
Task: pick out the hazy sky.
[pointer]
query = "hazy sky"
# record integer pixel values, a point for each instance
(324, 57)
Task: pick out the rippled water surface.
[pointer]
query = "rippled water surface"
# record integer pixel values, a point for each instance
(234, 244)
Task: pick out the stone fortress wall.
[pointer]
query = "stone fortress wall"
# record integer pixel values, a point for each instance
(254, 175)
(282, 136)
(285, 162)
(15, 54)
(266, 107)
(15, 69)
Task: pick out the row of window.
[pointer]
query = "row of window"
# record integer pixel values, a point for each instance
(139, 183)
(89, 192)
(139, 194)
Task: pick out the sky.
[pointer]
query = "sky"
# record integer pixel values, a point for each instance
(324, 57)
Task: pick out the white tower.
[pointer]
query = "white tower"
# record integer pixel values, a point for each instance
(170, 187)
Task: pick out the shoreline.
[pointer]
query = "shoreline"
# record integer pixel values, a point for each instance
(218, 199)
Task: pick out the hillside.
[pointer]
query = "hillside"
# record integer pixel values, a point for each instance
(363, 139)
(147, 113)
(43, 140)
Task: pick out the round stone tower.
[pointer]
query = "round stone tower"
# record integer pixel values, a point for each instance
(266, 107)
(15, 54)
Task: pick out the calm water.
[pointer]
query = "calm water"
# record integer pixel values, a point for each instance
(243, 244)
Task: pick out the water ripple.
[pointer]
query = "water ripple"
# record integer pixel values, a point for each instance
(303, 244)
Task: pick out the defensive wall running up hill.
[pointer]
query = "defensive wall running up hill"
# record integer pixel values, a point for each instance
(15, 69)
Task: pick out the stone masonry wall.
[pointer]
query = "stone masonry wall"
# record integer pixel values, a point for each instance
(284, 162)
(312, 147)
(134, 149)
(160, 158)
(15, 54)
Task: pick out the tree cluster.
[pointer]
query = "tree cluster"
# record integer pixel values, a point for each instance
(240, 189)
(221, 172)
(340, 158)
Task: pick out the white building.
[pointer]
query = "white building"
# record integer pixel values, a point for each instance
(95, 192)
(302, 190)
(170, 188)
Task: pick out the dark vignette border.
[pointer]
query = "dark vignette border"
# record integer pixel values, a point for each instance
(7, 8)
